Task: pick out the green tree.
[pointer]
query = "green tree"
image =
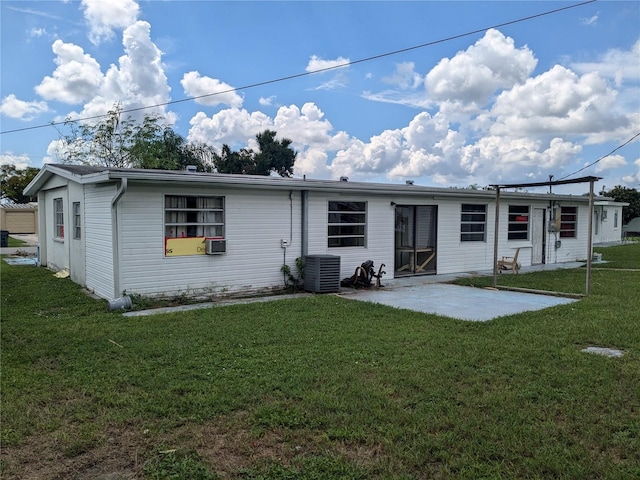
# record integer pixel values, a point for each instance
(273, 156)
(119, 142)
(166, 150)
(107, 142)
(628, 195)
(229, 161)
(14, 181)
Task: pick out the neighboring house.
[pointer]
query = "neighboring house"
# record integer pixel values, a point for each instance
(631, 229)
(152, 232)
(19, 217)
(607, 221)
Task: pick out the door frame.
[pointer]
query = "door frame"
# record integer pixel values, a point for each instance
(411, 258)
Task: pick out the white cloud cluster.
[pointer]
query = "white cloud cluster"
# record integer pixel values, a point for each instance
(210, 91)
(12, 107)
(20, 161)
(137, 81)
(473, 76)
(105, 16)
(77, 77)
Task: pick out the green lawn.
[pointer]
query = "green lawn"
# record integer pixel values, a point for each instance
(321, 387)
(15, 242)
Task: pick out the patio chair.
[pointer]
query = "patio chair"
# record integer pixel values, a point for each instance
(509, 263)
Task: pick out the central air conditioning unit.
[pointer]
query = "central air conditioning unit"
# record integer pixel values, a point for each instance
(322, 273)
(215, 246)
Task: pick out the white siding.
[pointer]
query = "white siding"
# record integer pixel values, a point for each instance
(256, 222)
(379, 245)
(98, 240)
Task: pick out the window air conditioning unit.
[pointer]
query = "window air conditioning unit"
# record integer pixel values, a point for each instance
(215, 246)
(322, 273)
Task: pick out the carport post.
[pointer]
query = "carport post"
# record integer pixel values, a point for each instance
(495, 239)
(590, 236)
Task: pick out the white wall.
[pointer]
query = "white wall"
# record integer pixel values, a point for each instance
(256, 222)
(98, 239)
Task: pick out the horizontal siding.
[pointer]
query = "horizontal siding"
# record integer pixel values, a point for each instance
(256, 222)
(379, 237)
(99, 240)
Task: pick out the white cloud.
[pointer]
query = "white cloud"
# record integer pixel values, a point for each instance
(105, 16)
(267, 101)
(77, 77)
(137, 81)
(633, 180)
(556, 102)
(20, 161)
(615, 64)
(37, 32)
(212, 91)
(474, 75)
(12, 107)
(405, 76)
(590, 21)
(319, 64)
(231, 126)
(612, 161)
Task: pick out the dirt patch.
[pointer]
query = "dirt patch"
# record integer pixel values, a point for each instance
(116, 456)
(227, 445)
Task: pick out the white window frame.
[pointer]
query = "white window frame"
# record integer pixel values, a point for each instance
(516, 212)
(568, 222)
(58, 218)
(77, 221)
(473, 215)
(194, 216)
(346, 227)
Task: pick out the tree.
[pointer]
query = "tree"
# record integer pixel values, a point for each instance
(124, 143)
(273, 156)
(234, 162)
(166, 151)
(628, 195)
(14, 181)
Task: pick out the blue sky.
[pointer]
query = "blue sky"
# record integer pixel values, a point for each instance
(520, 102)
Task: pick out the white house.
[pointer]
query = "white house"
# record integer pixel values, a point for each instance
(607, 221)
(151, 232)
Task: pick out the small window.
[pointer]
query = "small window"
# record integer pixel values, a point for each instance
(473, 223)
(615, 219)
(518, 222)
(58, 217)
(347, 224)
(190, 216)
(77, 229)
(568, 222)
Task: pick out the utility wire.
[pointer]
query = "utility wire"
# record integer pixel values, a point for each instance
(299, 75)
(603, 157)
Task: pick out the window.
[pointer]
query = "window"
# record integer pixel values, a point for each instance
(568, 222)
(473, 223)
(518, 222)
(77, 229)
(58, 218)
(615, 219)
(191, 216)
(347, 224)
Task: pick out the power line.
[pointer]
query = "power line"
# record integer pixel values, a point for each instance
(304, 74)
(603, 157)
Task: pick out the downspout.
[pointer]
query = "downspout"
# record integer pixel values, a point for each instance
(116, 235)
(304, 227)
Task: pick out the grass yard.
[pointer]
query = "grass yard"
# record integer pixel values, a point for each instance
(15, 242)
(321, 387)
